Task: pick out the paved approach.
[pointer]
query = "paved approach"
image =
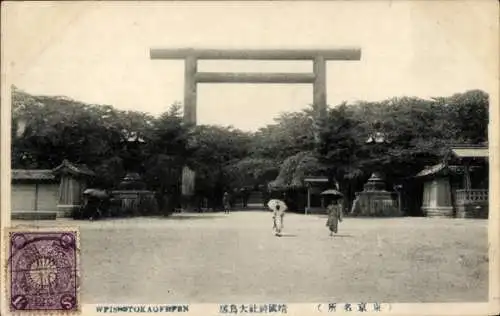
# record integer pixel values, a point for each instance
(213, 258)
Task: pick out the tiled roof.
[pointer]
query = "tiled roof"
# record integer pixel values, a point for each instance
(34, 174)
(73, 168)
(470, 152)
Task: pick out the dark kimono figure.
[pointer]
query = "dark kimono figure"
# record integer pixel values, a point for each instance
(334, 211)
(91, 208)
(226, 203)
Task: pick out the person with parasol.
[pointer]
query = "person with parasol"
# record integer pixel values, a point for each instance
(278, 207)
(94, 203)
(334, 210)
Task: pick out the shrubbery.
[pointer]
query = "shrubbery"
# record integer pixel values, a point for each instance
(227, 159)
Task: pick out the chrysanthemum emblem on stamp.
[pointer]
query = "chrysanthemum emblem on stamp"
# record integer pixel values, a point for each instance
(43, 271)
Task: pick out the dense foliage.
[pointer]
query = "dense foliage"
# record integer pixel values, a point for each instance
(419, 132)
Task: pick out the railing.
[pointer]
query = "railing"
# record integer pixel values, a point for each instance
(471, 196)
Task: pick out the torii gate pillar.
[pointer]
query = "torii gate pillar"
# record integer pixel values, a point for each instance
(192, 77)
(190, 89)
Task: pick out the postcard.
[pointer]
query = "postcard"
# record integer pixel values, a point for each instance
(250, 157)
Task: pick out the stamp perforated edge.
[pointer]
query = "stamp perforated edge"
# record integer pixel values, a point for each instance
(36, 229)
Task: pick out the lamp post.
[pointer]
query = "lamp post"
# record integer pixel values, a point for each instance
(376, 140)
(132, 142)
(131, 192)
(375, 200)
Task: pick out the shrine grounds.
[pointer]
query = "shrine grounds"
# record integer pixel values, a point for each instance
(218, 258)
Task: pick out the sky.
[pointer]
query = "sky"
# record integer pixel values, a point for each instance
(99, 52)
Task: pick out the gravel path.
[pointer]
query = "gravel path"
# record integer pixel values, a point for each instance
(235, 258)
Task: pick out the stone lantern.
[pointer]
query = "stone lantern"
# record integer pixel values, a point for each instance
(132, 162)
(131, 191)
(375, 200)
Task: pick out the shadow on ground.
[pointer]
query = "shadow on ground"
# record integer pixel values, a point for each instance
(287, 235)
(171, 217)
(184, 217)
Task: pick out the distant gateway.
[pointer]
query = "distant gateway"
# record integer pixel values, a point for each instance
(192, 77)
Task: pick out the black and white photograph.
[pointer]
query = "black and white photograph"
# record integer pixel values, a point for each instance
(251, 157)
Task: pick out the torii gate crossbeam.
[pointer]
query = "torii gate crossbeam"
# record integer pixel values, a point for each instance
(192, 77)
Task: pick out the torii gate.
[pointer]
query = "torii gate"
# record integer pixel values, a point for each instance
(192, 77)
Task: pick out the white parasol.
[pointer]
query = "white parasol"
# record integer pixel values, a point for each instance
(332, 192)
(96, 193)
(274, 203)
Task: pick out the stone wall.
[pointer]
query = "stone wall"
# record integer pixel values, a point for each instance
(34, 201)
(376, 203)
(475, 210)
(135, 202)
(438, 211)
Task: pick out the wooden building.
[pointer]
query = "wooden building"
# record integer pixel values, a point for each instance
(458, 186)
(437, 195)
(34, 194)
(73, 181)
(315, 202)
(470, 182)
(48, 193)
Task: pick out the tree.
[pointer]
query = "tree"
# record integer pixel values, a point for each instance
(420, 131)
(467, 113)
(166, 151)
(60, 128)
(296, 168)
(412, 128)
(251, 172)
(340, 143)
(212, 149)
(291, 134)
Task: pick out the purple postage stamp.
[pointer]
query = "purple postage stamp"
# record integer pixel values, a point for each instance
(43, 271)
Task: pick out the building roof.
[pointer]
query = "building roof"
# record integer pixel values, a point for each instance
(470, 152)
(68, 167)
(33, 174)
(431, 170)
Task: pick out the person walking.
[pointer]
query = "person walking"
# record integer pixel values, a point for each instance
(335, 216)
(278, 216)
(278, 207)
(226, 202)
